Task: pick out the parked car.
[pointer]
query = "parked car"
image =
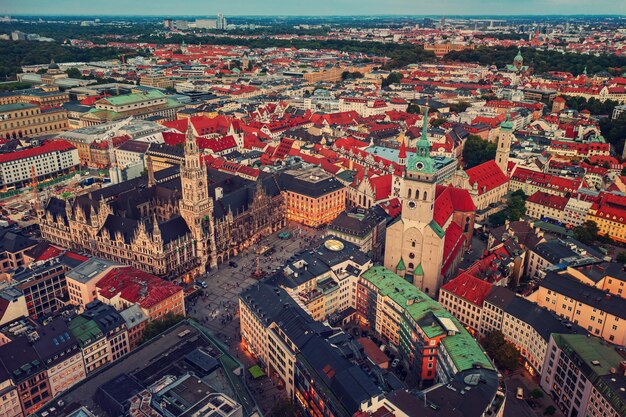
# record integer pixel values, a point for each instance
(202, 284)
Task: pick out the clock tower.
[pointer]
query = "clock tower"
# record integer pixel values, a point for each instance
(196, 207)
(414, 243)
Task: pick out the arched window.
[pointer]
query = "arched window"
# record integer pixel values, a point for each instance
(413, 244)
(417, 194)
(425, 195)
(409, 193)
(411, 265)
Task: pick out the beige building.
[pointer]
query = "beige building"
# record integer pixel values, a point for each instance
(312, 197)
(82, 280)
(21, 120)
(93, 343)
(414, 245)
(464, 297)
(542, 205)
(9, 400)
(324, 282)
(598, 312)
(156, 81)
(61, 354)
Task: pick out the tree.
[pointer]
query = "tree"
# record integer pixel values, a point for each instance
(159, 326)
(508, 357)
(516, 206)
(284, 408)
(503, 353)
(476, 151)
(73, 73)
(550, 410)
(498, 219)
(586, 232)
(459, 107)
(438, 122)
(413, 109)
(392, 78)
(536, 393)
(347, 75)
(614, 132)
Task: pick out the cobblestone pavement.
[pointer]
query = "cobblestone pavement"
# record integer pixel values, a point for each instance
(217, 308)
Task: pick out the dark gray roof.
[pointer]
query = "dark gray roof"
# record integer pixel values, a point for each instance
(309, 264)
(107, 317)
(500, 297)
(442, 401)
(55, 343)
(541, 319)
(134, 146)
(14, 242)
(358, 221)
(20, 359)
(291, 183)
(570, 287)
(599, 271)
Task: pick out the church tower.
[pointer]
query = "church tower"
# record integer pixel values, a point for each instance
(504, 144)
(414, 243)
(196, 207)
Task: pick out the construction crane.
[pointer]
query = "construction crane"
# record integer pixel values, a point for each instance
(35, 188)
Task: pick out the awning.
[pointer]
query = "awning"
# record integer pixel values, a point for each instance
(256, 371)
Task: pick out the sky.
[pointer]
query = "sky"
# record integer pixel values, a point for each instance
(313, 8)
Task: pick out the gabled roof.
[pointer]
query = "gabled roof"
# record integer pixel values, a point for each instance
(136, 286)
(469, 288)
(486, 176)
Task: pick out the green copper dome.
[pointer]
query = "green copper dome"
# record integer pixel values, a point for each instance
(507, 124)
(518, 57)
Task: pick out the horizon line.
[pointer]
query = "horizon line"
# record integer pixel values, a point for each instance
(320, 15)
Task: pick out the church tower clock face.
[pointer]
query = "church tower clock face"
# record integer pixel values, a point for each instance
(411, 204)
(419, 166)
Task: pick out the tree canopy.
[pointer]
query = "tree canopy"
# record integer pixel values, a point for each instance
(541, 61)
(503, 353)
(392, 78)
(477, 150)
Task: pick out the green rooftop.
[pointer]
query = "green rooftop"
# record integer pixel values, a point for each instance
(464, 351)
(15, 106)
(85, 330)
(126, 99)
(598, 356)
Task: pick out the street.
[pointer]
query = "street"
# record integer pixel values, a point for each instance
(217, 308)
(522, 408)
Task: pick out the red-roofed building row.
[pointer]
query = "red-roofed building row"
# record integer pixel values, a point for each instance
(464, 297)
(51, 159)
(532, 181)
(542, 205)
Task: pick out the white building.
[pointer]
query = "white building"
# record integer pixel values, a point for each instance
(51, 159)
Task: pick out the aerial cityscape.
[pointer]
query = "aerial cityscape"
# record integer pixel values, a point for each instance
(331, 209)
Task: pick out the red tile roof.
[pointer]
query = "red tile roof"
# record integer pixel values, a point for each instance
(549, 200)
(47, 147)
(486, 176)
(453, 243)
(136, 286)
(469, 288)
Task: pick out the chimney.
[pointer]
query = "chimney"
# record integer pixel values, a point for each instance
(219, 193)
